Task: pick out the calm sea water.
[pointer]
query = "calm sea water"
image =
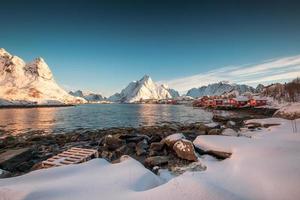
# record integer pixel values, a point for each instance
(97, 116)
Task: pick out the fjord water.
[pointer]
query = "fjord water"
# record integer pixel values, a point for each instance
(96, 116)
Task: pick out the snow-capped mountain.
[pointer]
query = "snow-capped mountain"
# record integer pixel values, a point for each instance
(89, 96)
(31, 83)
(219, 89)
(142, 90)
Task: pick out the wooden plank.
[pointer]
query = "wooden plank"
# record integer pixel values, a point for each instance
(74, 155)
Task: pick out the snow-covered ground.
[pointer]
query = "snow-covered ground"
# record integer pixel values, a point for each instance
(265, 166)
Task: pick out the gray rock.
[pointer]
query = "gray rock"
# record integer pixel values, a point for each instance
(156, 161)
(214, 131)
(141, 148)
(230, 132)
(156, 146)
(10, 159)
(113, 142)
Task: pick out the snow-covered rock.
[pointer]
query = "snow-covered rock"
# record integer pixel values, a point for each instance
(31, 83)
(220, 89)
(290, 111)
(172, 139)
(89, 96)
(142, 90)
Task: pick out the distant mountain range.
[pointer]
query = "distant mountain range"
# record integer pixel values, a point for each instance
(88, 96)
(33, 83)
(30, 83)
(143, 89)
(220, 89)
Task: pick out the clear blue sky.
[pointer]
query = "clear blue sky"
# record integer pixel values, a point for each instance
(103, 45)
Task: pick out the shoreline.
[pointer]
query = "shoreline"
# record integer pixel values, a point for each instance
(127, 141)
(35, 106)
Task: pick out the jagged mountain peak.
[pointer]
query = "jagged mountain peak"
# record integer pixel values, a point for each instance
(39, 68)
(143, 89)
(3, 52)
(32, 82)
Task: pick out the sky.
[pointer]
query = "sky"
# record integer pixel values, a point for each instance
(101, 46)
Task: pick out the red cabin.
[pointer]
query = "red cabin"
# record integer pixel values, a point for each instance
(258, 102)
(200, 102)
(239, 102)
(218, 102)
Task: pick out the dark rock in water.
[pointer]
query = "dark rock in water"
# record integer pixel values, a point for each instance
(215, 131)
(11, 159)
(113, 142)
(185, 150)
(156, 146)
(141, 148)
(156, 161)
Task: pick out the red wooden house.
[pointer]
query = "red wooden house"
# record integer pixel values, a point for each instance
(218, 102)
(257, 101)
(239, 102)
(201, 102)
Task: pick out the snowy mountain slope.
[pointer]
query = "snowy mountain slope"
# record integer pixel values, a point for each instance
(219, 89)
(31, 83)
(143, 89)
(89, 96)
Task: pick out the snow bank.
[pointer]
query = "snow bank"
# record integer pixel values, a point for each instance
(262, 167)
(290, 111)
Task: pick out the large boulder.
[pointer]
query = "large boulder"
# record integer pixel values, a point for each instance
(185, 150)
(172, 139)
(156, 161)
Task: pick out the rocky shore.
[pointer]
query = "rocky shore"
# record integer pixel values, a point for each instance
(167, 146)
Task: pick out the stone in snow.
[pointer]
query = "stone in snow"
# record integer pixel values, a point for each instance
(172, 139)
(185, 150)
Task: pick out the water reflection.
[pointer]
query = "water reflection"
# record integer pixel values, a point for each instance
(20, 120)
(96, 116)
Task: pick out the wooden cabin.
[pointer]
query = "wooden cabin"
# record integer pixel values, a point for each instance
(239, 102)
(218, 102)
(257, 101)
